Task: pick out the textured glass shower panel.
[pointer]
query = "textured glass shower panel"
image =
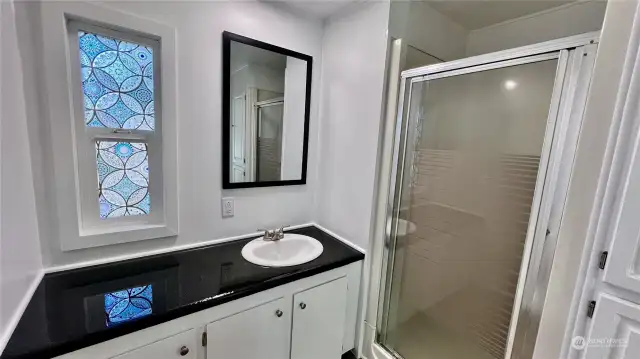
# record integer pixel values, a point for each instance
(269, 152)
(463, 199)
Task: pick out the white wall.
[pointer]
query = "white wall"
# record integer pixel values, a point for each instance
(572, 19)
(199, 28)
(353, 63)
(252, 75)
(424, 28)
(295, 80)
(20, 262)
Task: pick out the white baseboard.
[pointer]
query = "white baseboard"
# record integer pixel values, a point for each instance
(17, 314)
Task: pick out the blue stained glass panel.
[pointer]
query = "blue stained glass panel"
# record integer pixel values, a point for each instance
(117, 82)
(123, 178)
(128, 304)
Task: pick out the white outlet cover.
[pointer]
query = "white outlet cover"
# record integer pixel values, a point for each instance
(227, 207)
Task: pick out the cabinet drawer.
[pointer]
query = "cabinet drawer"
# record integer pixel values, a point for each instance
(183, 346)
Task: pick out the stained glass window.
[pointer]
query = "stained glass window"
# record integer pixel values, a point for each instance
(117, 82)
(123, 178)
(128, 304)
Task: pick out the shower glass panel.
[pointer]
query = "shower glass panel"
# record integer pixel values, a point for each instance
(269, 149)
(463, 193)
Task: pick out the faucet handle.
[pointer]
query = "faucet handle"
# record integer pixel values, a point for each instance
(268, 234)
(281, 229)
(279, 233)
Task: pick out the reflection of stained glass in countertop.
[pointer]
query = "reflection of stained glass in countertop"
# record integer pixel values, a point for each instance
(128, 304)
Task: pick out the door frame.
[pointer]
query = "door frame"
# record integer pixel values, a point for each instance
(518, 52)
(565, 112)
(614, 157)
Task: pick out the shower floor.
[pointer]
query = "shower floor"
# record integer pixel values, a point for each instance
(421, 337)
(466, 324)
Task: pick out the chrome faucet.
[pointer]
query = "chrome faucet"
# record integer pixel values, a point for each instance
(274, 234)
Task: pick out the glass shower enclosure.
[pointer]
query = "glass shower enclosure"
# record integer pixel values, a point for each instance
(269, 139)
(482, 159)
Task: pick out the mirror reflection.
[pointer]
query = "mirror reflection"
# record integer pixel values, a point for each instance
(267, 121)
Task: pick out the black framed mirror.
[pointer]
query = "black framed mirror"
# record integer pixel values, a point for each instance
(266, 95)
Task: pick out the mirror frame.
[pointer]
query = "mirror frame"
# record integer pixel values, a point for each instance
(227, 37)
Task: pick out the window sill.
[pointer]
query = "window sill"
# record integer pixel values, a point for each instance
(96, 237)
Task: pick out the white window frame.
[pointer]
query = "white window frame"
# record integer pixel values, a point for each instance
(74, 186)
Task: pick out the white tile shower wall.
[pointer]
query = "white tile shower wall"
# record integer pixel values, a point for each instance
(20, 262)
(353, 60)
(456, 254)
(199, 26)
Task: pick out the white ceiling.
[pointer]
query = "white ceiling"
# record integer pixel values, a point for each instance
(475, 14)
(471, 14)
(318, 9)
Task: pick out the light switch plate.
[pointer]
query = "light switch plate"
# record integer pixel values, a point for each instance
(227, 207)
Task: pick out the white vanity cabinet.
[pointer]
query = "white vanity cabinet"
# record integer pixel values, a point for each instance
(318, 321)
(311, 318)
(308, 325)
(252, 334)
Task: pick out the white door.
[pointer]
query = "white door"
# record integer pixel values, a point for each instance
(239, 174)
(615, 328)
(623, 269)
(615, 332)
(183, 345)
(258, 333)
(318, 321)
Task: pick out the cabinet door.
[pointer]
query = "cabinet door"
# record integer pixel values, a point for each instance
(318, 321)
(623, 267)
(615, 330)
(257, 333)
(183, 346)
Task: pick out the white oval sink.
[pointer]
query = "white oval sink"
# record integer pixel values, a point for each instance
(291, 250)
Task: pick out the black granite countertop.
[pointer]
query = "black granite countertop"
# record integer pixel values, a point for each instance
(78, 308)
